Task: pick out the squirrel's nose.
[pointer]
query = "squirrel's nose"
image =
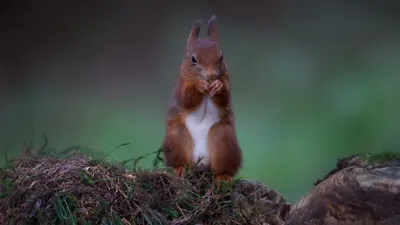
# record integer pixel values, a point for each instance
(210, 74)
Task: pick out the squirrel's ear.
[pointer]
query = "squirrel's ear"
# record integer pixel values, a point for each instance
(194, 33)
(212, 28)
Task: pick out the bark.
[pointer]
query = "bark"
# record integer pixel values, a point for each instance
(361, 190)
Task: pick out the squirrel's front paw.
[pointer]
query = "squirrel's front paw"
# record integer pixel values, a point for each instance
(216, 87)
(202, 86)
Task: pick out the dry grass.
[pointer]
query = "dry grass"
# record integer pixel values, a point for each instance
(77, 189)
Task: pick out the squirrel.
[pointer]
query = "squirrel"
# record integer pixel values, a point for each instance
(200, 126)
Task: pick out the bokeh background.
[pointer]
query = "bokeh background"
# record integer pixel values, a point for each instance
(311, 82)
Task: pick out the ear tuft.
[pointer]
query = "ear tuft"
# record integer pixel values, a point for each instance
(196, 26)
(194, 32)
(212, 28)
(213, 18)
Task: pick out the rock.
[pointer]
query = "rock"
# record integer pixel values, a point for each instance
(362, 190)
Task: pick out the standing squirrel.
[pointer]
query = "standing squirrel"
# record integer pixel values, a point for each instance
(200, 123)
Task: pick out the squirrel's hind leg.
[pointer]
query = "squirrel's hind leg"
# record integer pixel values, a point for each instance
(177, 146)
(225, 152)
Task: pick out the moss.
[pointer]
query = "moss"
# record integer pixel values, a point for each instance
(379, 158)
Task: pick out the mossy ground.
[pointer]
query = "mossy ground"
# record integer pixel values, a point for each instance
(69, 187)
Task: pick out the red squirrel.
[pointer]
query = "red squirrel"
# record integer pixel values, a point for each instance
(200, 123)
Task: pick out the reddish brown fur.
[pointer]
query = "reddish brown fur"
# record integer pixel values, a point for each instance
(225, 153)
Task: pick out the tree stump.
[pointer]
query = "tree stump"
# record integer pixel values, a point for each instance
(361, 190)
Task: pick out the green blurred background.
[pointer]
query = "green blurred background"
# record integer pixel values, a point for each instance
(310, 82)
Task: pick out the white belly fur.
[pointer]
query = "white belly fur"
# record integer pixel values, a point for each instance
(199, 123)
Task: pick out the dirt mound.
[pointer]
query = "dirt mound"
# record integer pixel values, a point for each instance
(77, 189)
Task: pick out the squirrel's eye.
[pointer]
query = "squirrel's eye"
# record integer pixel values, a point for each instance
(194, 60)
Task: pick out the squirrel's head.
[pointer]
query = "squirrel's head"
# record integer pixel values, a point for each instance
(204, 58)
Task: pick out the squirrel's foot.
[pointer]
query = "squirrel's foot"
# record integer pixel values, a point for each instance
(180, 171)
(225, 178)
